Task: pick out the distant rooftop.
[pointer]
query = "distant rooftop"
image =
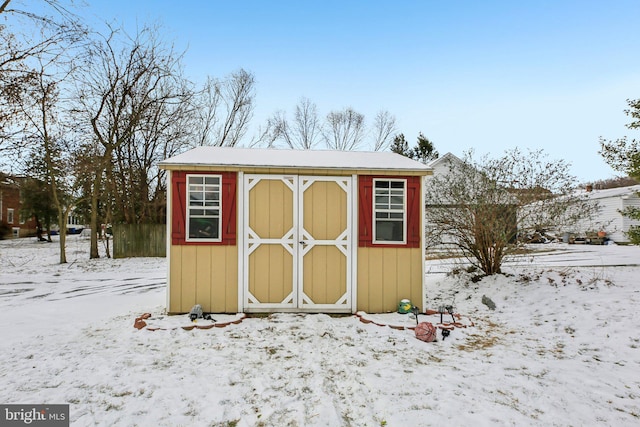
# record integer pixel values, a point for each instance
(613, 192)
(274, 158)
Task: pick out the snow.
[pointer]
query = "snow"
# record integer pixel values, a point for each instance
(561, 348)
(273, 158)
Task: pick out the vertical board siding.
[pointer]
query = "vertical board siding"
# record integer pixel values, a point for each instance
(271, 214)
(270, 273)
(325, 274)
(325, 217)
(387, 275)
(205, 275)
(325, 210)
(139, 240)
(270, 266)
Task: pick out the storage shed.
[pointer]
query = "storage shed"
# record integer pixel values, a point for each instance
(257, 230)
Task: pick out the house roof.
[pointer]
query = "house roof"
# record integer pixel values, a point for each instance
(447, 158)
(631, 190)
(313, 159)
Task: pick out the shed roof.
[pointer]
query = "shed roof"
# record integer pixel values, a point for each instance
(314, 159)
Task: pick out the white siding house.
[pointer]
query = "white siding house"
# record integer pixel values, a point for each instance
(443, 165)
(609, 217)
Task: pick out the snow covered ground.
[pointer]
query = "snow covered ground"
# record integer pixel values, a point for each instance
(562, 348)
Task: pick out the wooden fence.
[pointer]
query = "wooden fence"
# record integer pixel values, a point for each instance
(139, 240)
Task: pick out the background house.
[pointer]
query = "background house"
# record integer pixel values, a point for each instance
(446, 215)
(609, 218)
(11, 216)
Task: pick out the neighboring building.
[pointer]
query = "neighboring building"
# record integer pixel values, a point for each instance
(444, 164)
(609, 217)
(254, 230)
(10, 207)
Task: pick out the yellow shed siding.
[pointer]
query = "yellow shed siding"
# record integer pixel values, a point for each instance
(205, 275)
(325, 274)
(270, 273)
(387, 275)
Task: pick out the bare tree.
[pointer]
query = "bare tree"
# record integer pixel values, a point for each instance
(224, 109)
(302, 133)
(384, 128)
(119, 89)
(138, 183)
(344, 130)
(482, 207)
(25, 39)
(34, 70)
(306, 127)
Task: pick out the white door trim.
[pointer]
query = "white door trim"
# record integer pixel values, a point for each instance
(296, 301)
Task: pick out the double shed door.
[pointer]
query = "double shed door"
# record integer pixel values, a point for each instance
(297, 243)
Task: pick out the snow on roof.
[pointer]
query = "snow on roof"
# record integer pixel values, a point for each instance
(274, 158)
(614, 192)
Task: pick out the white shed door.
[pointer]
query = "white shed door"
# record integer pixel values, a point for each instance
(297, 243)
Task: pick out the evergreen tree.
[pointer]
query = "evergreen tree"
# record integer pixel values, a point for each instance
(400, 146)
(425, 151)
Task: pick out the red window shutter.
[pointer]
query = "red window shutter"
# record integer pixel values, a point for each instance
(179, 210)
(414, 232)
(365, 213)
(229, 216)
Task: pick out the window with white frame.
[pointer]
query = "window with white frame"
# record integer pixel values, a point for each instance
(204, 206)
(9, 216)
(389, 211)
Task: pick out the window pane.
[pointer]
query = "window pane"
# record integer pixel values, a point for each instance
(204, 201)
(203, 228)
(389, 231)
(389, 210)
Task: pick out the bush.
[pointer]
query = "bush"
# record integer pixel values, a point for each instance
(634, 235)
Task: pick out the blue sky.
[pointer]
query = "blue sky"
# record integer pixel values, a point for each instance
(487, 75)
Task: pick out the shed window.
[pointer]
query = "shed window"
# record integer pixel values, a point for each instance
(204, 205)
(389, 211)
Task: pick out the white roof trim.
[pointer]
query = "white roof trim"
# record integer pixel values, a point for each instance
(313, 159)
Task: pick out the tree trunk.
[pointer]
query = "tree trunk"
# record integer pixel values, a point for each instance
(93, 251)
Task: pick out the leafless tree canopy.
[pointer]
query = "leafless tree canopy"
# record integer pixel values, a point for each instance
(344, 130)
(384, 128)
(302, 133)
(36, 65)
(125, 98)
(28, 41)
(224, 109)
